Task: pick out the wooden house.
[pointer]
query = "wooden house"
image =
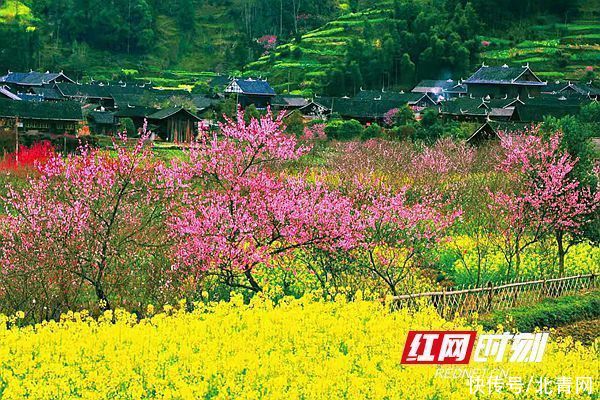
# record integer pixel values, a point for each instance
(251, 91)
(558, 106)
(314, 110)
(490, 129)
(87, 94)
(415, 100)
(102, 122)
(288, 102)
(581, 89)
(175, 124)
(33, 79)
(41, 117)
(371, 106)
(46, 93)
(479, 109)
(504, 81)
(439, 90)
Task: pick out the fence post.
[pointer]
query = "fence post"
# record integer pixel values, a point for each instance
(443, 302)
(490, 285)
(544, 289)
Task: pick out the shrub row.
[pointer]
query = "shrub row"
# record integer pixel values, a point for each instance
(548, 313)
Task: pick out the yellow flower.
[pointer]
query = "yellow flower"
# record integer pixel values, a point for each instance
(300, 348)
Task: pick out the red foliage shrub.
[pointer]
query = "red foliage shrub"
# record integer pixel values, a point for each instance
(28, 156)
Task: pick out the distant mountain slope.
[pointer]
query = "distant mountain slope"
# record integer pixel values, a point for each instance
(305, 64)
(555, 50)
(356, 43)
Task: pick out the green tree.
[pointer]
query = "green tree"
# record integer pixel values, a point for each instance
(407, 70)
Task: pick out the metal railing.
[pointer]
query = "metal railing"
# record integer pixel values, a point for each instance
(463, 302)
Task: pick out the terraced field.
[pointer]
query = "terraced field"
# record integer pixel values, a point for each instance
(570, 50)
(305, 64)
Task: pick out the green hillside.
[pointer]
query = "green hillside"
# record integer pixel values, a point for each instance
(153, 37)
(326, 46)
(305, 64)
(554, 51)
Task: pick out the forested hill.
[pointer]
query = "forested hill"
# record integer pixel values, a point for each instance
(192, 35)
(328, 46)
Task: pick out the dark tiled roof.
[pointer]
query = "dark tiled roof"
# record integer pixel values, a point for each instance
(580, 88)
(558, 106)
(31, 97)
(434, 86)
(5, 91)
(47, 93)
(503, 75)
(102, 117)
(464, 106)
(135, 112)
(32, 78)
(351, 108)
(554, 87)
(288, 100)
(489, 130)
(83, 91)
(459, 88)
(503, 103)
(252, 86)
(479, 106)
(168, 112)
(399, 97)
(59, 111)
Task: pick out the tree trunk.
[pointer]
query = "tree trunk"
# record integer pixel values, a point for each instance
(560, 252)
(255, 286)
(102, 299)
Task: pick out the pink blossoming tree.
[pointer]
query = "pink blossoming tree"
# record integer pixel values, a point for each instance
(244, 215)
(88, 225)
(547, 199)
(398, 232)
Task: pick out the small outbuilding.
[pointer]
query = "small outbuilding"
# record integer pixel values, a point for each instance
(175, 124)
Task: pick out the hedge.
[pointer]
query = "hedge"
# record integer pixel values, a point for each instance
(549, 313)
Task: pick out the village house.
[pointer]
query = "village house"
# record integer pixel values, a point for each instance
(504, 81)
(558, 106)
(174, 124)
(86, 94)
(314, 110)
(490, 131)
(251, 91)
(102, 122)
(40, 117)
(371, 106)
(579, 89)
(416, 101)
(288, 102)
(440, 90)
(33, 78)
(479, 109)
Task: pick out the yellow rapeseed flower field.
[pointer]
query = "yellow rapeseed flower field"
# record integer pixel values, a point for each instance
(298, 349)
